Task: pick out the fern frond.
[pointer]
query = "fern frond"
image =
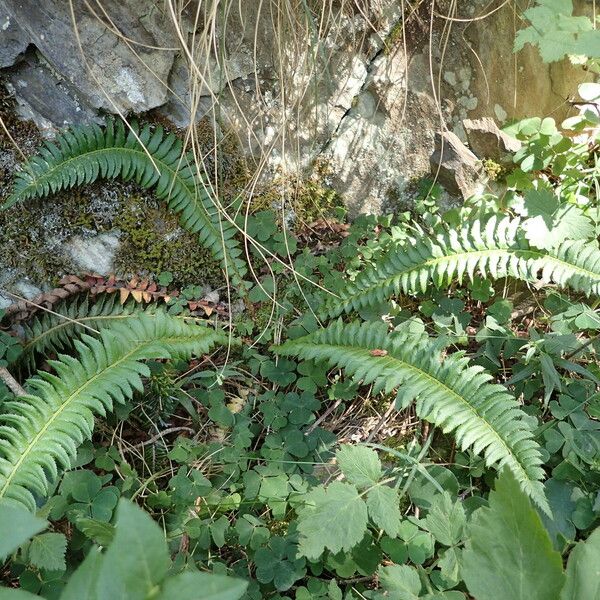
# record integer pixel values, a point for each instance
(450, 393)
(40, 432)
(53, 332)
(495, 249)
(152, 159)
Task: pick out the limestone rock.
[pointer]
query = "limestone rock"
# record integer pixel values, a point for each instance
(13, 40)
(104, 69)
(94, 254)
(45, 98)
(486, 140)
(456, 167)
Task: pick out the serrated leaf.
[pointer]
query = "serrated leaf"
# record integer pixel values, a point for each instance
(583, 570)
(400, 581)
(446, 520)
(17, 526)
(137, 560)
(47, 551)
(383, 504)
(509, 553)
(334, 518)
(82, 583)
(359, 464)
(202, 586)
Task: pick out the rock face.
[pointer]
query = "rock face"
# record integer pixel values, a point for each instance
(364, 96)
(486, 140)
(355, 93)
(456, 167)
(114, 61)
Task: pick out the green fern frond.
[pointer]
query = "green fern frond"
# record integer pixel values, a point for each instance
(40, 432)
(494, 249)
(53, 332)
(152, 159)
(450, 393)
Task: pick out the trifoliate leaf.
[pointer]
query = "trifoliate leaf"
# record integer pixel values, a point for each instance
(359, 464)
(334, 518)
(540, 203)
(509, 553)
(446, 520)
(583, 570)
(17, 526)
(400, 581)
(383, 504)
(551, 223)
(47, 551)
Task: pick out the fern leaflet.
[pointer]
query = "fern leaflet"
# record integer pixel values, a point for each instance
(450, 393)
(494, 249)
(40, 432)
(152, 159)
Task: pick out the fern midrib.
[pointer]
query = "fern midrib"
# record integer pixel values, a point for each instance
(535, 254)
(30, 447)
(389, 358)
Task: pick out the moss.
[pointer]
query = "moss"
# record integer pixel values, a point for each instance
(32, 235)
(153, 242)
(306, 199)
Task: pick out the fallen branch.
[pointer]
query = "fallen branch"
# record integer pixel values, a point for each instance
(13, 385)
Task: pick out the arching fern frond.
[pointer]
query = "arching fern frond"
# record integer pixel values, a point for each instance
(450, 393)
(40, 432)
(53, 332)
(494, 249)
(152, 159)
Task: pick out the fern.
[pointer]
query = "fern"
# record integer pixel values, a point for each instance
(495, 249)
(53, 332)
(450, 393)
(40, 432)
(152, 159)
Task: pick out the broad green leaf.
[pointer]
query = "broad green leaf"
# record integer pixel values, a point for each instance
(560, 526)
(202, 586)
(383, 504)
(400, 581)
(47, 551)
(359, 464)
(17, 526)
(509, 554)
(334, 518)
(583, 570)
(11, 594)
(446, 520)
(138, 558)
(82, 583)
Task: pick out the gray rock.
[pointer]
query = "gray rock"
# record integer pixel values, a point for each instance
(94, 254)
(488, 141)
(13, 40)
(43, 97)
(456, 167)
(112, 74)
